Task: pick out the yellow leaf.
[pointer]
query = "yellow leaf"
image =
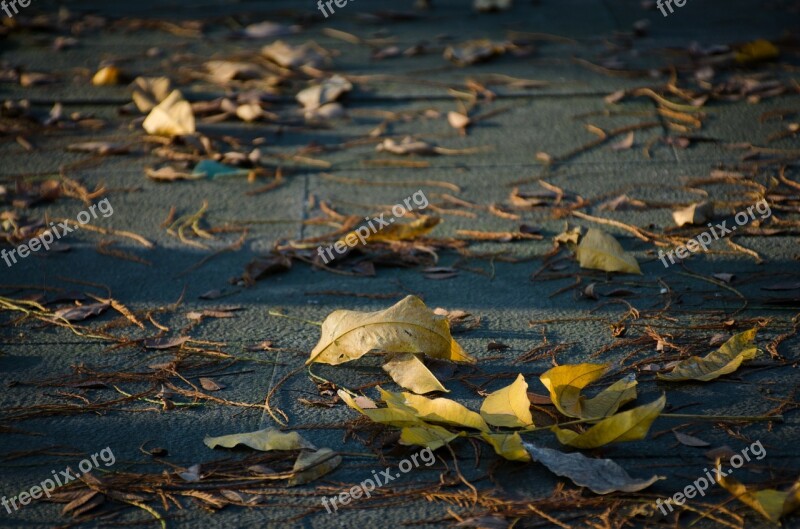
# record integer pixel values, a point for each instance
(698, 213)
(408, 371)
(507, 445)
(150, 91)
(726, 359)
(509, 407)
(394, 400)
(770, 503)
(391, 416)
(106, 76)
(172, 117)
(566, 382)
(405, 232)
(312, 465)
(444, 411)
(264, 440)
(600, 251)
(756, 51)
(631, 425)
(428, 435)
(608, 401)
(406, 327)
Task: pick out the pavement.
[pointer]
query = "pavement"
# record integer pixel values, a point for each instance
(571, 55)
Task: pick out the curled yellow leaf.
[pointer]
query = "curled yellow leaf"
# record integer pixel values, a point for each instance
(509, 407)
(406, 327)
(723, 361)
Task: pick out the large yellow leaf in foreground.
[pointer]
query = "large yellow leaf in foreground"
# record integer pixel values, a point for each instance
(631, 425)
(770, 503)
(444, 411)
(406, 327)
(509, 407)
(600, 251)
(726, 359)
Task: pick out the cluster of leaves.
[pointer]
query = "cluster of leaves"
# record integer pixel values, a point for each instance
(409, 332)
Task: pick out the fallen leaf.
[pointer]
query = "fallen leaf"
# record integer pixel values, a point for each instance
(191, 474)
(566, 382)
(631, 425)
(406, 327)
(508, 407)
(169, 174)
(408, 371)
(289, 56)
(507, 445)
(600, 251)
(82, 312)
(150, 91)
(98, 147)
(165, 342)
(265, 30)
(474, 51)
(444, 411)
(624, 144)
(770, 503)
(725, 360)
(428, 435)
(457, 120)
(391, 415)
(406, 231)
(313, 465)
(106, 76)
(172, 117)
(601, 476)
(249, 112)
(213, 170)
(210, 385)
(225, 71)
(328, 91)
(264, 440)
(696, 214)
(757, 51)
(689, 440)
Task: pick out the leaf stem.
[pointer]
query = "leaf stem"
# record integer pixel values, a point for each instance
(749, 418)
